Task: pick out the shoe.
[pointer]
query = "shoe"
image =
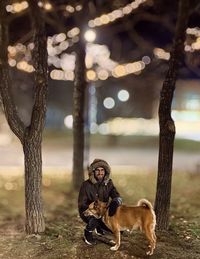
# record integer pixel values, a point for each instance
(88, 237)
(99, 231)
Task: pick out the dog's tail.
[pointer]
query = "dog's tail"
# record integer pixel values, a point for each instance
(145, 203)
(148, 205)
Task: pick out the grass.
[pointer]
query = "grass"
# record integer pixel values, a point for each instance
(64, 229)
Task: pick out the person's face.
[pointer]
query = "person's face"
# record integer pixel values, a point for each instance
(99, 173)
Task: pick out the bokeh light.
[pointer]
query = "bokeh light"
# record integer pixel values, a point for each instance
(68, 121)
(109, 103)
(123, 95)
(90, 35)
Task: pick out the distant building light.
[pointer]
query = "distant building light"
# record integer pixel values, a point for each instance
(103, 129)
(186, 116)
(109, 103)
(193, 104)
(68, 121)
(93, 128)
(123, 95)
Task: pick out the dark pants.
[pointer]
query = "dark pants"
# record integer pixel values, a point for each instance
(93, 223)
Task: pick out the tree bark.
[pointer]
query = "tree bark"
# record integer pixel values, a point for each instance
(32, 145)
(167, 126)
(78, 116)
(33, 180)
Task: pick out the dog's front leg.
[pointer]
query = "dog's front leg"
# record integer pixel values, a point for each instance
(117, 240)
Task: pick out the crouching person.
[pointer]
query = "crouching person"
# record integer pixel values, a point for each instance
(98, 186)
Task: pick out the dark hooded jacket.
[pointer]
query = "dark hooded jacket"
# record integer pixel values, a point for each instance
(91, 189)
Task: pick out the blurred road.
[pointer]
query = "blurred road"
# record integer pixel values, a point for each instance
(12, 155)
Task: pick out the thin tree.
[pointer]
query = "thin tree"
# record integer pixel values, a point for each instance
(30, 136)
(80, 101)
(167, 126)
(80, 85)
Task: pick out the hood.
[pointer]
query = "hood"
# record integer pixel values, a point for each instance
(99, 163)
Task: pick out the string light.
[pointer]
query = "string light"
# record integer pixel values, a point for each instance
(196, 44)
(102, 74)
(91, 75)
(73, 32)
(193, 31)
(23, 65)
(12, 62)
(47, 6)
(96, 55)
(161, 54)
(17, 7)
(101, 56)
(116, 14)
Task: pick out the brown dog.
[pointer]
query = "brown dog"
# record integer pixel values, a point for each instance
(128, 218)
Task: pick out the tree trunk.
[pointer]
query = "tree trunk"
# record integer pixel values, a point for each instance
(31, 136)
(78, 117)
(167, 126)
(34, 222)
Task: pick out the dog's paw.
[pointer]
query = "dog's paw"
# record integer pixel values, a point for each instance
(112, 242)
(114, 248)
(149, 252)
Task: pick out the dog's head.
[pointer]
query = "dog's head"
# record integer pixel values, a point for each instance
(96, 209)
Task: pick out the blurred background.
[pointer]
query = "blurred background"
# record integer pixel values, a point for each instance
(127, 46)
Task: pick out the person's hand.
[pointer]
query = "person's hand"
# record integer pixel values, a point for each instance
(113, 206)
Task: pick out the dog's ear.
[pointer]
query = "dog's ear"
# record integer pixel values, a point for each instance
(96, 202)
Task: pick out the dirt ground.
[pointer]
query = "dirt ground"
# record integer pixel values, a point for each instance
(63, 237)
